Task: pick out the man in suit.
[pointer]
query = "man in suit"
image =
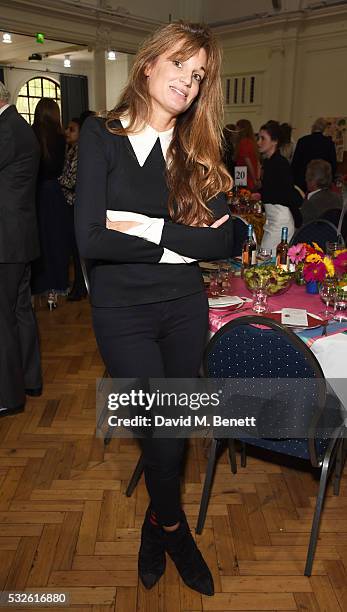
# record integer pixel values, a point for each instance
(320, 198)
(313, 146)
(20, 366)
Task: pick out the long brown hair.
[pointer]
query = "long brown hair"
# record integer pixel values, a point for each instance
(245, 130)
(47, 125)
(196, 172)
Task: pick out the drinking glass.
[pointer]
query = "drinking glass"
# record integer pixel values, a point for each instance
(340, 304)
(260, 301)
(331, 247)
(260, 294)
(215, 285)
(264, 254)
(223, 278)
(327, 290)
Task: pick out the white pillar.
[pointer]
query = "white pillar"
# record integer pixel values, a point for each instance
(100, 77)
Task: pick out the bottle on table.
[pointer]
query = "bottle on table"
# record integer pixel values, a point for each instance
(282, 259)
(249, 251)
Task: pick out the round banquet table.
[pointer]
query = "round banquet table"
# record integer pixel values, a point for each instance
(330, 350)
(295, 297)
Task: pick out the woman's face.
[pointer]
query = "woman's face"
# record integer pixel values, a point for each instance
(72, 133)
(173, 84)
(266, 145)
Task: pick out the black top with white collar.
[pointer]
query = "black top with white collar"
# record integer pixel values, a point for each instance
(126, 269)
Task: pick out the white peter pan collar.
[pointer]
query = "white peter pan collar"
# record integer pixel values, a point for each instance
(144, 141)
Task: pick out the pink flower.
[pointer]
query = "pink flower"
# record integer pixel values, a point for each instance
(297, 253)
(315, 271)
(340, 263)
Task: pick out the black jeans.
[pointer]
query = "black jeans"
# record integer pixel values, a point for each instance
(160, 340)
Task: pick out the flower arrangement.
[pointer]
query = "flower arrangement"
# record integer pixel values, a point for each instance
(315, 264)
(244, 193)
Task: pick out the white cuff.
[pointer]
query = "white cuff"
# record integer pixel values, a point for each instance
(149, 229)
(171, 257)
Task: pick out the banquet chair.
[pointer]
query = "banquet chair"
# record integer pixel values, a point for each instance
(339, 218)
(240, 235)
(319, 231)
(85, 266)
(283, 383)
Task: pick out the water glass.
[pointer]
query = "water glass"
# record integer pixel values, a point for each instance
(264, 255)
(260, 304)
(327, 290)
(215, 284)
(331, 247)
(340, 304)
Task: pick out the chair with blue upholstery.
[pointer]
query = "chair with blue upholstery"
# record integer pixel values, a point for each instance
(283, 385)
(319, 231)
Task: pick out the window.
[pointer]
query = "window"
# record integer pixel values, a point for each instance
(242, 90)
(32, 91)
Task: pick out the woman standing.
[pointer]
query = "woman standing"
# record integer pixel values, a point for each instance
(287, 143)
(157, 155)
(68, 183)
(246, 153)
(50, 271)
(281, 199)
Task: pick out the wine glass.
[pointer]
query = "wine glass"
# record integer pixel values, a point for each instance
(264, 255)
(340, 304)
(327, 290)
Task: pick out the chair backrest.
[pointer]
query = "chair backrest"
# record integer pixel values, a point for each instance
(267, 361)
(319, 231)
(338, 217)
(240, 235)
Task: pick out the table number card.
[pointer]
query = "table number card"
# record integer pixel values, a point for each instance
(240, 176)
(294, 316)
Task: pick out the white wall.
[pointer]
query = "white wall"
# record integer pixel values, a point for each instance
(302, 67)
(116, 78)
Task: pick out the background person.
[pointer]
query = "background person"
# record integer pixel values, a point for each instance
(50, 271)
(313, 146)
(287, 147)
(280, 198)
(159, 156)
(20, 366)
(246, 152)
(320, 199)
(67, 181)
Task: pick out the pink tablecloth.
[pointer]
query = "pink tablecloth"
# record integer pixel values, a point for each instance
(295, 297)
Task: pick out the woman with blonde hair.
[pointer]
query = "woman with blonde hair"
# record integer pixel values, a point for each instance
(150, 202)
(246, 152)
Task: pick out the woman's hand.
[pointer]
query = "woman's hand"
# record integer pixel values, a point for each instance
(219, 222)
(120, 226)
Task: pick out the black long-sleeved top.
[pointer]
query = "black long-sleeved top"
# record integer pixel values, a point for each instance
(278, 185)
(126, 271)
(312, 146)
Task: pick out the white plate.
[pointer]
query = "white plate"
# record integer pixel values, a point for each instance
(224, 301)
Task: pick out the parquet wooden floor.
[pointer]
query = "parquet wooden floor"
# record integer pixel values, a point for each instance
(66, 525)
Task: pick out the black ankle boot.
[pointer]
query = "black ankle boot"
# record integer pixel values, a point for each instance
(152, 560)
(181, 547)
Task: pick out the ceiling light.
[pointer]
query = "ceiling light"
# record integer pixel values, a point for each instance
(67, 61)
(6, 37)
(111, 55)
